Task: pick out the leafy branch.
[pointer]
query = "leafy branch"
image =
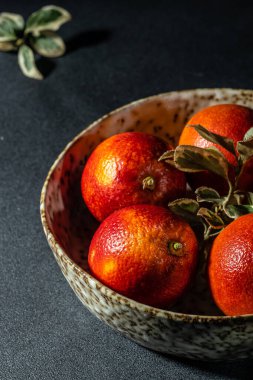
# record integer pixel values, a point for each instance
(36, 36)
(210, 209)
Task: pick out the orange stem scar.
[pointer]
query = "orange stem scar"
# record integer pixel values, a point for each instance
(148, 183)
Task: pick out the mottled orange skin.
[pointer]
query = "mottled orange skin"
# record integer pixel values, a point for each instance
(229, 120)
(113, 175)
(130, 254)
(231, 267)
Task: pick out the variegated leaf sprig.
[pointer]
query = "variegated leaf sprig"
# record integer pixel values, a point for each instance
(209, 208)
(37, 36)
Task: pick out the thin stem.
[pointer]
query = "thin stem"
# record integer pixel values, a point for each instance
(215, 233)
(207, 233)
(19, 42)
(230, 192)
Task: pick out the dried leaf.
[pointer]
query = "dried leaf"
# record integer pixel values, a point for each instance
(207, 194)
(234, 211)
(194, 159)
(7, 46)
(248, 135)
(168, 157)
(212, 219)
(48, 44)
(50, 17)
(27, 62)
(186, 208)
(225, 142)
(245, 149)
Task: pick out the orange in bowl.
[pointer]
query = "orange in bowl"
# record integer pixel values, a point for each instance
(146, 253)
(124, 170)
(228, 120)
(231, 267)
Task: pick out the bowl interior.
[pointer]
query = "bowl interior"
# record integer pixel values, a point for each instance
(164, 115)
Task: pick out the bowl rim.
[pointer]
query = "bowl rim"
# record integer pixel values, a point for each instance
(56, 247)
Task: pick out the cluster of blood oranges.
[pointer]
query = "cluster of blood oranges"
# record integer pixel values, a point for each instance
(144, 251)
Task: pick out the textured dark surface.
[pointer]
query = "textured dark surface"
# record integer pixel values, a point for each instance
(118, 52)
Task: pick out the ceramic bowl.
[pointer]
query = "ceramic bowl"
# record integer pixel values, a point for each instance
(193, 329)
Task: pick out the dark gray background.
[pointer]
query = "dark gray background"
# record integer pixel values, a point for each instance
(119, 51)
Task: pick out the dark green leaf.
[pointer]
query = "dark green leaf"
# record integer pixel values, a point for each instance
(207, 194)
(248, 135)
(234, 211)
(212, 219)
(48, 44)
(50, 17)
(245, 149)
(27, 63)
(186, 208)
(225, 142)
(193, 159)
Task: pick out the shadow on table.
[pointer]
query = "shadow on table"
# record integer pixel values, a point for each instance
(87, 38)
(45, 66)
(241, 369)
(78, 41)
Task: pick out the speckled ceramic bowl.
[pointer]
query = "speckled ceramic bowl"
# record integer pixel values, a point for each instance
(193, 328)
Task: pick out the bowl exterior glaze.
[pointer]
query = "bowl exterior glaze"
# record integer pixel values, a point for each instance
(69, 227)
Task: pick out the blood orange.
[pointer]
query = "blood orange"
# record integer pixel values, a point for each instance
(229, 120)
(124, 170)
(231, 267)
(146, 253)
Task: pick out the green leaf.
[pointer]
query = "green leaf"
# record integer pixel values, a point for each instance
(16, 19)
(27, 62)
(212, 219)
(7, 29)
(186, 208)
(238, 197)
(50, 17)
(234, 211)
(225, 142)
(48, 44)
(248, 135)
(241, 197)
(7, 46)
(194, 159)
(207, 194)
(245, 149)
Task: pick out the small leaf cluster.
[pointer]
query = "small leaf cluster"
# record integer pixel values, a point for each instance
(37, 35)
(209, 208)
